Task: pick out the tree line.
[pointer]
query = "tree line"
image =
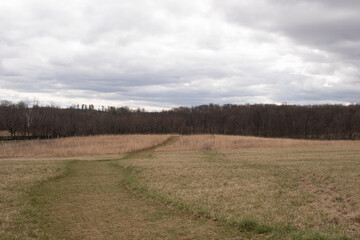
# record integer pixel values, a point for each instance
(265, 120)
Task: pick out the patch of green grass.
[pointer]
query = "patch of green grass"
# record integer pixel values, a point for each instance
(29, 216)
(252, 225)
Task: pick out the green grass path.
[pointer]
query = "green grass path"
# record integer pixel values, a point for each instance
(91, 203)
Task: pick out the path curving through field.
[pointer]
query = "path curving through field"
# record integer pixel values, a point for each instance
(91, 203)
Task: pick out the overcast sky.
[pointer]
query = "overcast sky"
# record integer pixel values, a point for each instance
(167, 53)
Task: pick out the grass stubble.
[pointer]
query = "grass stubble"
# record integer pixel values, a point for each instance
(264, 188)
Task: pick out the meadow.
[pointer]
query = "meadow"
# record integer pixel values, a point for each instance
(179, 187)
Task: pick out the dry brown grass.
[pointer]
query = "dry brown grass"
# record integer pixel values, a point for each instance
(4, 133)
(75, 146)
(315, 188)
(207, 142)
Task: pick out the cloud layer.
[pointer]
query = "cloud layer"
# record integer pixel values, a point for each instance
(161, 54)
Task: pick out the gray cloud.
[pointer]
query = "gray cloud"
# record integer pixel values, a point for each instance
(170, 53)
(328, 25)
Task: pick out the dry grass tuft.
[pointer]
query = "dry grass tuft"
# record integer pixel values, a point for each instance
(207, 142)
(75, 146)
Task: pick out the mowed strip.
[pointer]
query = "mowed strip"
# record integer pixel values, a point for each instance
(91, 203)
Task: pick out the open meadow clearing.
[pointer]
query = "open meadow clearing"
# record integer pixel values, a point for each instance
(179, 187)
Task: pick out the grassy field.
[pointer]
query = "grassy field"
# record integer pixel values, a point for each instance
(180, 187)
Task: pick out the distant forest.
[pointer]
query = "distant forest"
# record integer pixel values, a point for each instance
(265, 120)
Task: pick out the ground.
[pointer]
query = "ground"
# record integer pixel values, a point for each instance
(175, 187)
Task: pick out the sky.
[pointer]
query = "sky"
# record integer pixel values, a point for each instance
(162, 54)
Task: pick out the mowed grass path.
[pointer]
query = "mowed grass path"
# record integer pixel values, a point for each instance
(92, 203)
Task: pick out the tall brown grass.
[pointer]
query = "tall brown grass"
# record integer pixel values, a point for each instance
(207, 142)
(4, 133)
(76, 146)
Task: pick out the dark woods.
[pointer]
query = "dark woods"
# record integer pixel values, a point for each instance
(310, 122)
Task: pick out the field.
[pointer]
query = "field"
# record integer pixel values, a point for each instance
(179, 187)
